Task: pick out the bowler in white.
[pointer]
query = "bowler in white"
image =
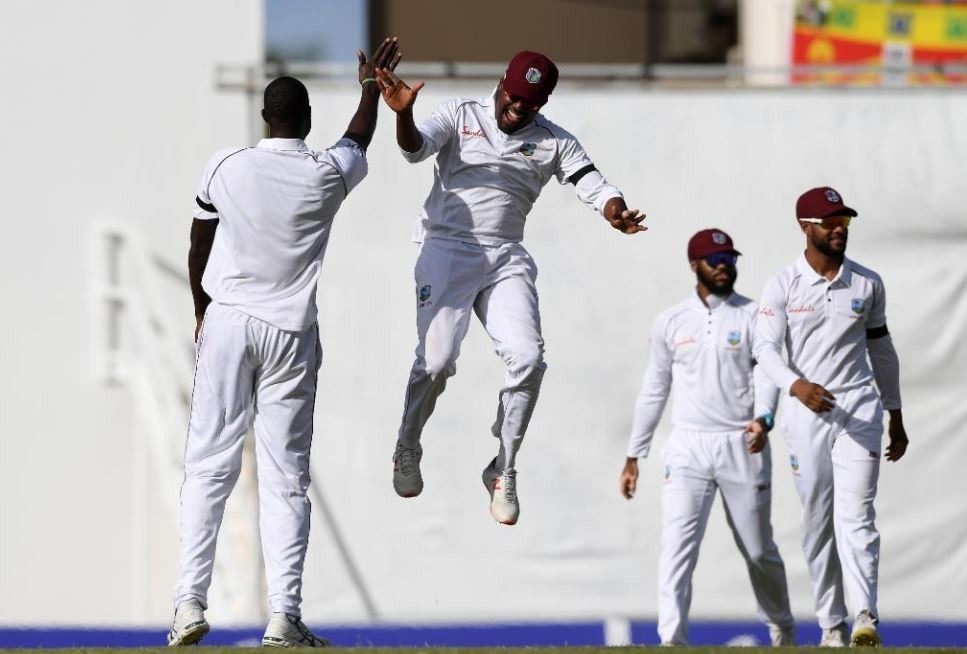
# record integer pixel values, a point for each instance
(829, 313)
(493, 156)
(701, 352)
(261, 225)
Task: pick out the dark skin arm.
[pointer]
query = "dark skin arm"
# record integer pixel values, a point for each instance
(898, 436)
(399, 97)
(628, 481)
(202, 237)
(363, 122)
(622, 218)
(814, 396)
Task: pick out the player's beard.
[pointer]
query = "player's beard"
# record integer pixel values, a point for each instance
(715, 286)
(826, 246)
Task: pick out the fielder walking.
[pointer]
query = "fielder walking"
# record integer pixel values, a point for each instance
(261, 227)
(830, 313)
(723, 410)
(493, 156)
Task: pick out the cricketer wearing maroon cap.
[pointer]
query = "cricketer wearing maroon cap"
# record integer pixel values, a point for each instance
(493, 156)
(700, 352)
(840, 374)
(822, 202)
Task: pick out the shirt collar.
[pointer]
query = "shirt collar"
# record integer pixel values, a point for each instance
(845, 274)
(712, 302)
(283, 144)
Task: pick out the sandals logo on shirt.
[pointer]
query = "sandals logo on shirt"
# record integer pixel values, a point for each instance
(528, 149)
(857, 305)
(424, 295)
(734, 337)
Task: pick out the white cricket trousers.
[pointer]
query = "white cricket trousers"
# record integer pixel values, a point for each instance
(835, 459)
(696, 464)
(498, 284)
(247, 369)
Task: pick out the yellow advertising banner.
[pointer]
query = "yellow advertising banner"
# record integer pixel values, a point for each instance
(897, 43)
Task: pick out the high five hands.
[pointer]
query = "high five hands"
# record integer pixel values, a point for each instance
(386, 57)
(399, 96)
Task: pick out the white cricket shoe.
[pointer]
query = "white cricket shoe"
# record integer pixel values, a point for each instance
(407, 480)
(865, 633)
(189, 625)
(502, 487)
(783, 636)
(835, 637)
(287, 630)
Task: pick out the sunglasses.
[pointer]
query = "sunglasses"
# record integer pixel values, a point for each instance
(717, 259)
(829, 223)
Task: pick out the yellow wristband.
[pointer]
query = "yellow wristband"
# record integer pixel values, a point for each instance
(368, 79)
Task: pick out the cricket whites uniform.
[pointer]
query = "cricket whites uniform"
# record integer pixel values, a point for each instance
(833, 331)
(471, 257)
(704, 354)
(258, 350)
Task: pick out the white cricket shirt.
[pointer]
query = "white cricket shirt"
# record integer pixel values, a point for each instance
(822, 324)
(703, 354)
(485, 181)
(275, 204)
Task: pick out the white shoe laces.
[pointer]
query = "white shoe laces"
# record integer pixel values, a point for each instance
(508, 485)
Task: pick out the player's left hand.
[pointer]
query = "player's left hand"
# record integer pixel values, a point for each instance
(898, 438)
(625, 220)
(756, 437)
(629, 478)
(387, 56)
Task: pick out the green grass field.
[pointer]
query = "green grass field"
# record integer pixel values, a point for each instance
(471, 650)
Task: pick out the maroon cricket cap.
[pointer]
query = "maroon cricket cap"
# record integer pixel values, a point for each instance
(709, 241)
(530, 75)
(822, 202)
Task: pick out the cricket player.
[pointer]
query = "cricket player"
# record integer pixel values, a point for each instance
(262, 222)
(830, 313)
(723, 410)
(493, 156)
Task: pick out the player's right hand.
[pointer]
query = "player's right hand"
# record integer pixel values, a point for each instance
(629, 478)
(399, 96)
(814, 396)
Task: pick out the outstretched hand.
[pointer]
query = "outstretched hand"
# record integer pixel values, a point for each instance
(387, 56)
(399, 96)
(625, 220)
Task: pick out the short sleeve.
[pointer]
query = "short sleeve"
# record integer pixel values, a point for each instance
(437, 130)
(350, 161)
(204, 208)
(877, 315)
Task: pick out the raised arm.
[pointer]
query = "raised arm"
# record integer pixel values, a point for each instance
(400, 97)
(363, 123)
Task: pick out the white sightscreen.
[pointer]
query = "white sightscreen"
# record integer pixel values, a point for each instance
(735, 160)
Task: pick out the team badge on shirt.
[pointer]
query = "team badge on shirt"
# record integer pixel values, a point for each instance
(857, 305)
(533, 75)
(424, 295)
(528, 149)
(734, 337)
